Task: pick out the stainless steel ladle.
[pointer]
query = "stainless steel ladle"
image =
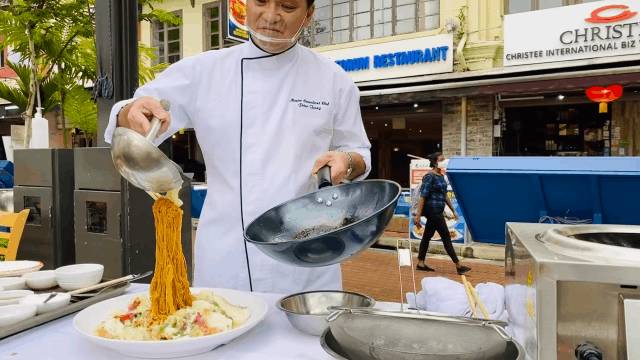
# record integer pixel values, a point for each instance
(140, 162)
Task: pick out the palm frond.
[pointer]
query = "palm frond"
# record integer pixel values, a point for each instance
(24, 75)
(81, 110)
(13, 95)
(50, 94)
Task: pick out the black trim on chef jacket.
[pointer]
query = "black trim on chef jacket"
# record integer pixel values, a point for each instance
(246, 252)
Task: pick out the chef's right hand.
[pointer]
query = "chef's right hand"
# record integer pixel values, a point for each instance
(138, 114)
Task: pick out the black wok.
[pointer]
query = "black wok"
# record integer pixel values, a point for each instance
(327, 226)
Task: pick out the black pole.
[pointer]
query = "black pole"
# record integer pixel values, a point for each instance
(117, 53)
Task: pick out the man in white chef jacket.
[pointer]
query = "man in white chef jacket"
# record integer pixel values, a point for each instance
(267, 114)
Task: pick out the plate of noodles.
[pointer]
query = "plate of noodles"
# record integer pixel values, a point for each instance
(172, 319)
(215, 317)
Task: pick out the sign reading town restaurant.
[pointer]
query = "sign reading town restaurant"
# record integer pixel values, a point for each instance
(584, 31)
(395, 59)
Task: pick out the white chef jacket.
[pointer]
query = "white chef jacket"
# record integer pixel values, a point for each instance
(261, 121)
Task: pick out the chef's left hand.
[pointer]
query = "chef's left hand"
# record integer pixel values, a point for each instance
(339, 163)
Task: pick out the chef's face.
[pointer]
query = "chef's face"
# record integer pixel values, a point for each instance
(279, 19)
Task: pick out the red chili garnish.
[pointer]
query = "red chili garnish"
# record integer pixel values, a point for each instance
(125, 317)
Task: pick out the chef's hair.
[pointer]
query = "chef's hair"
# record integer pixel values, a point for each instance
(310, 3)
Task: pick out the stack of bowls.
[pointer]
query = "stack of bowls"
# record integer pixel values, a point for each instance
(74, 277)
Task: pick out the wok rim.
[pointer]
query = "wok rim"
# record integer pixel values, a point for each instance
(288, 242)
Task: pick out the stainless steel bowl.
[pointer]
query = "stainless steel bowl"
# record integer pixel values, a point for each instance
(307, 311)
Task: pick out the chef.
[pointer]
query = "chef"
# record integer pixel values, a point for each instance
(267, 114)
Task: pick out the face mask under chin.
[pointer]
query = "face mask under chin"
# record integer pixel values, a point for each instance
(272, 44)
(271, 48)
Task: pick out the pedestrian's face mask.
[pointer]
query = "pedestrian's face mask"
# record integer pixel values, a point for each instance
(443, 164)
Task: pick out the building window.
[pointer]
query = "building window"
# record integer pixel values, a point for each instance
(213, 23)
(340, 21)
(168, 40)
(362, 20)
(382, 18)
(430, 15)
(319, 31)
(518, 6)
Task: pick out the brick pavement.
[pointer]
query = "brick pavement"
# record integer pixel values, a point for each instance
(375, 273)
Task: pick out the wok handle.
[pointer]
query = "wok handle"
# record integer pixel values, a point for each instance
(156, 123)
(324, 177)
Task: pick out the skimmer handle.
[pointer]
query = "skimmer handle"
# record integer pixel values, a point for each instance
(156, 123)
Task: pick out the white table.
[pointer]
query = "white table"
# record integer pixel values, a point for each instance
(274, 338)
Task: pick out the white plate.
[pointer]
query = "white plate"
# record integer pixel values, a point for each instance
(88, 320)
(19, 267)
(12, 283)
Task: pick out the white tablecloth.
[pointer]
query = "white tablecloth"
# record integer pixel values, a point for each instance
(274, 338)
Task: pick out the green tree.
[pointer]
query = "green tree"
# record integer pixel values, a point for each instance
(44, 34)
(56, 42)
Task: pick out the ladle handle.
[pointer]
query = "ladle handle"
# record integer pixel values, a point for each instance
(324, 177)
(156, 123)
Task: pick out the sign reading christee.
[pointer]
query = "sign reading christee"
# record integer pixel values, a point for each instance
(585, 31)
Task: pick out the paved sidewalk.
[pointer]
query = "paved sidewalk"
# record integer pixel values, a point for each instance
(375, 273)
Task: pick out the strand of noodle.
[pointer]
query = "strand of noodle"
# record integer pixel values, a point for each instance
(169, 290)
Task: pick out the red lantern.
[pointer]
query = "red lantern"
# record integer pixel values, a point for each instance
(604, 95)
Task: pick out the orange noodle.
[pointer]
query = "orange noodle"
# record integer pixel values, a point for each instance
(170, 285)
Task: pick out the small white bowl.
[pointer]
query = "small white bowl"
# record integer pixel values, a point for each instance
(12, 314)
(58, 301)
(12, 283)
(9, 297)
(40, 280)
(74, 277)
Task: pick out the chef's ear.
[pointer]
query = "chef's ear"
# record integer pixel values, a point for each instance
(309, 17)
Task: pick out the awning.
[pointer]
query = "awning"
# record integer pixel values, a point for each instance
(500, 81)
